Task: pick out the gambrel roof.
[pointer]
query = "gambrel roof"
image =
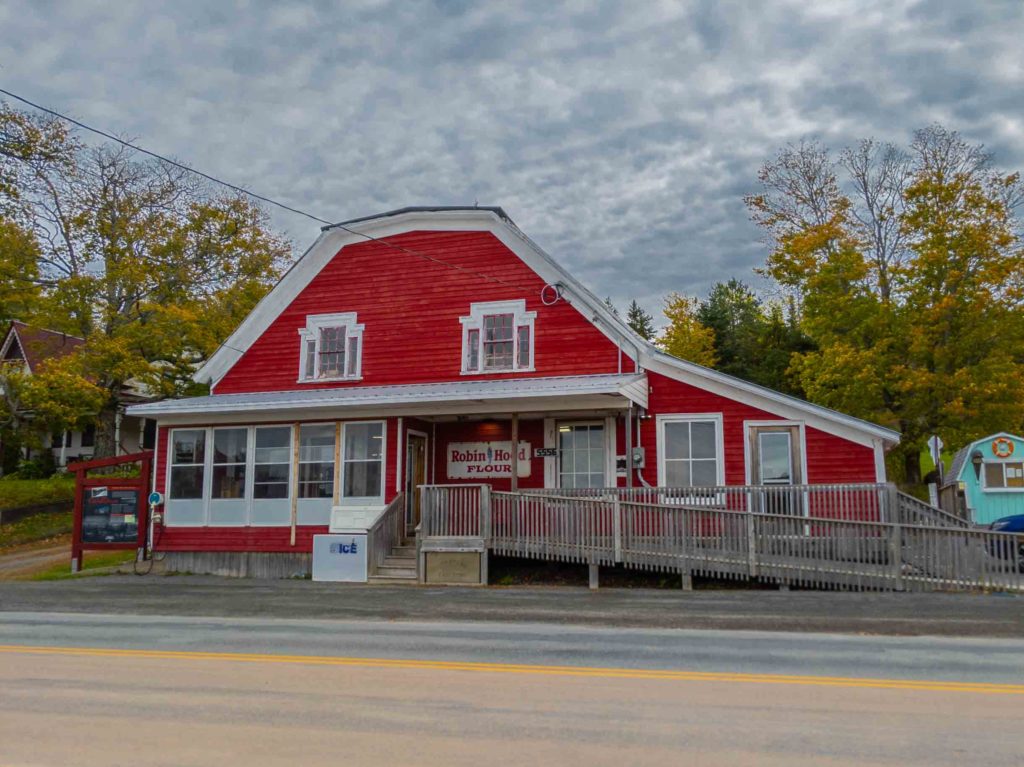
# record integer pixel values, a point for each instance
(495, 221)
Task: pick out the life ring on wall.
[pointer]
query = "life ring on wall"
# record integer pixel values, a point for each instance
(1002, 447)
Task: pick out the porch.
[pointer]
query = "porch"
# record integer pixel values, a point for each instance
(852, 537)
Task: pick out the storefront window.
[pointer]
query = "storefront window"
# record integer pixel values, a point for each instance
(363, 460)
(188, 449)
(229, 451)
(272, 465)
(316, 461)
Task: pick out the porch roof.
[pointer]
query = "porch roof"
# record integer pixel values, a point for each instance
(450, 397)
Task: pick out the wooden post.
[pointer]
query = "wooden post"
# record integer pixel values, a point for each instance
(896, 556)
(593, 573)
(751, 545)
(515, 452)
(76, 534)
(629, 446)
(295, 480)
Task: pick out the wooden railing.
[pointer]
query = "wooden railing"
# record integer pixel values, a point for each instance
(853, 537)
(385, 533)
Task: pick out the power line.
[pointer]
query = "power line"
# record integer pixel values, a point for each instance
(244, 191)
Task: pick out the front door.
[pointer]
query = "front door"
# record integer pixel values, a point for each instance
(415, 476)
(777, 462)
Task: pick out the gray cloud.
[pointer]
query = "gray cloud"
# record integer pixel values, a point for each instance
(621, 137)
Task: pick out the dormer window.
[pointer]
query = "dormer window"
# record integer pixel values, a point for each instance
(497, 336)
(331, 348)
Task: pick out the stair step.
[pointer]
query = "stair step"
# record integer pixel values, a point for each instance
(409, 548)
(393, 573)
(391, 580)
(399, 564)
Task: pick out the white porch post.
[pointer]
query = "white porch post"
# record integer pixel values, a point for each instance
(515, 452)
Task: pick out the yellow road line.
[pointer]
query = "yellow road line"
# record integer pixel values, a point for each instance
(513, 668)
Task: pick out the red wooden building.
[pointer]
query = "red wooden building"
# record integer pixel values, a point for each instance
(416, 347)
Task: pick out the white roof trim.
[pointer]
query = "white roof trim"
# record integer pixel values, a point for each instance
(524, 392)
(305, 269)
(14, 337)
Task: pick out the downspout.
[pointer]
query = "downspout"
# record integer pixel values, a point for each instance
(640, 472)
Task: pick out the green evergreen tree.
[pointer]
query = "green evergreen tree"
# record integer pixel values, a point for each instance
(641, 322)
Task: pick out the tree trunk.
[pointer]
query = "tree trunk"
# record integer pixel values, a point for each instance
(912, 468)
(106, 428)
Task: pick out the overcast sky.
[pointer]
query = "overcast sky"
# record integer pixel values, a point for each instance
(619, 136)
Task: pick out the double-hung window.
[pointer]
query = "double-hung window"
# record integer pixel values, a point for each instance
(497, 336)
(690, 450)
(330, 348)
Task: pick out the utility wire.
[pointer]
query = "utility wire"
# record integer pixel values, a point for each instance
(260, 197)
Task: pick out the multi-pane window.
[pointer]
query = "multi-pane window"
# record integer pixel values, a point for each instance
(498, 343)
(330, 347)
(690, 452)
(1004, 474)
(331, 362)
(581, 455)
(229, 459)
(272, 462)
(316, 461)
(188, 451)
(363, 460)
(497, 336)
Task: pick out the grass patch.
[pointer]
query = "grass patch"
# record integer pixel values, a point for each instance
(15, 493)
(92, 561)
(38, 527)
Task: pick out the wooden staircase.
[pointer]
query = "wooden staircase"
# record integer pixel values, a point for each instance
(399, 567)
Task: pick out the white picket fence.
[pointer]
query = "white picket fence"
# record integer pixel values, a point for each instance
(856, 537)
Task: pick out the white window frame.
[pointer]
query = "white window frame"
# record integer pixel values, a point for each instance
(475, 321)
(668, 418)
(340, 479)
(314, 324)
(984, 477)
(207, 483)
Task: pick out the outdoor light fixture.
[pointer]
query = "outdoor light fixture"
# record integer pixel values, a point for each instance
(976, 459)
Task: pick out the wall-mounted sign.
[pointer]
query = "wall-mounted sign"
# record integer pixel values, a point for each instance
(478, 460)
(545, 452)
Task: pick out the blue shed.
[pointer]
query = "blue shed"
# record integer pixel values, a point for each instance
(989, 473)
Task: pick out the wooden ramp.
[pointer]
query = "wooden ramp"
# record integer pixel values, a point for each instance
(850, 537)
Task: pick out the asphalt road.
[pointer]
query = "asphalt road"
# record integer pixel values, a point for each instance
(993, 615)
(164, 690)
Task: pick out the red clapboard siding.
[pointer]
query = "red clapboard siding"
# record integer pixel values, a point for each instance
(411, 309)
(829, 458)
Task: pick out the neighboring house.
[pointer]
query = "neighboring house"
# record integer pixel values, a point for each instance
(414, 347)
(986, 479)
(29, 347)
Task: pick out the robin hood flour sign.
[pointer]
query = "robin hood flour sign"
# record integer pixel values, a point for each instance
(480, 460)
